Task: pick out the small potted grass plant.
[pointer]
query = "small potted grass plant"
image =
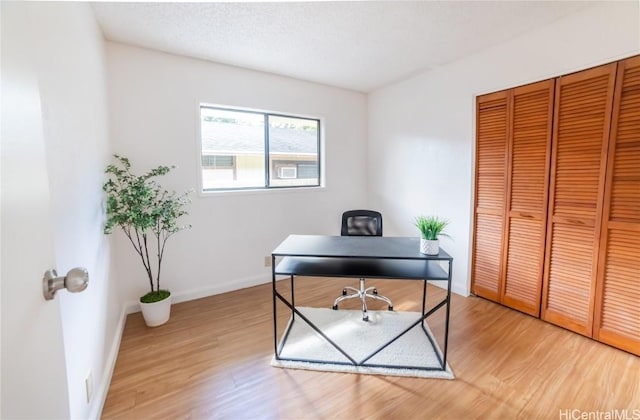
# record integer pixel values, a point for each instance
(148, 216)
(430, 227)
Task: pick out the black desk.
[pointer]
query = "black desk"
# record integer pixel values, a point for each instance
(358, 256)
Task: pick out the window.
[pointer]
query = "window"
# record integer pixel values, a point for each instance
(250, 150)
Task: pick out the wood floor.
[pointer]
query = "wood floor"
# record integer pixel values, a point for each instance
(211, 360)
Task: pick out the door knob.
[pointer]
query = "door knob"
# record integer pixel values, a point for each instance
(75, 281)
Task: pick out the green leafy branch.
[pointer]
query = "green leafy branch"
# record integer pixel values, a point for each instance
(144, 211)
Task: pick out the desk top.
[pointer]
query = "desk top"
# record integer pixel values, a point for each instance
(381, 247)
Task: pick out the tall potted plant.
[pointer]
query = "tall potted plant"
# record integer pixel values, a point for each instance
(148, 216)
(430, 227)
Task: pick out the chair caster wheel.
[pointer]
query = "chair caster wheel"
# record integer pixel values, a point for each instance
(344, 292)
(390, 308)
(335, 307)
(365, 319)
(375, 291)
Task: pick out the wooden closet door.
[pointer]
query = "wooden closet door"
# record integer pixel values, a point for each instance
(617, 314)
(582, 119)
(491, 143)
(530, 152)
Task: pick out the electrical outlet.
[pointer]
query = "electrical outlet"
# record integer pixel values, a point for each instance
(267, 261)
(88, 386)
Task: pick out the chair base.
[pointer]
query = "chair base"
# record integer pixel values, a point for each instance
(362, 294)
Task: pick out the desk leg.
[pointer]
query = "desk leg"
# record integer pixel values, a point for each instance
(275, 315)
(424, 298)
(446, 325)
(293, 302)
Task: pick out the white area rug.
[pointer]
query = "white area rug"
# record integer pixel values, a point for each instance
(359, 339)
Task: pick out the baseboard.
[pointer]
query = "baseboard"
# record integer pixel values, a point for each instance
(202, 292)
(454, 289)
(217, 289)
(100, 396)
(231, 286)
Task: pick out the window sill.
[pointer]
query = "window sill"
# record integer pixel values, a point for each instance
(260, 191)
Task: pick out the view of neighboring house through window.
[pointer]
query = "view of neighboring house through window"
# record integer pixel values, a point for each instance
(239, 153)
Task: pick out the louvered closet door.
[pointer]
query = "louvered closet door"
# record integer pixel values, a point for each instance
(530, 153)
(580, 140)
(617, 320)
(491, 142)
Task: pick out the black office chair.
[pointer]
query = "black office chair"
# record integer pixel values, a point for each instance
(361, 223)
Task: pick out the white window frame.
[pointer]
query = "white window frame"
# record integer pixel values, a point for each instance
(266, 189)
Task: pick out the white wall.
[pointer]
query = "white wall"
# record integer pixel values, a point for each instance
(69, 60)
(154, 99)
(421, 131)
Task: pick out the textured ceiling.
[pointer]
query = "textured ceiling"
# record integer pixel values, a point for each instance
(356, 45)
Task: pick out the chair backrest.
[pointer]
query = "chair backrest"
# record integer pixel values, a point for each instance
(361, 223)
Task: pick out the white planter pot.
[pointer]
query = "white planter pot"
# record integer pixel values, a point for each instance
(429, 247)
(156, 313)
